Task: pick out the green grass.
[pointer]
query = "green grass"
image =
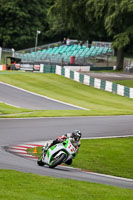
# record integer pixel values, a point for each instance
(7, 109)
(128, 83)
(51, 85)
(17, 185)
(106, 156)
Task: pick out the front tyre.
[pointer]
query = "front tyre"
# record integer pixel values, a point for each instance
(40, 162)
(57, 161)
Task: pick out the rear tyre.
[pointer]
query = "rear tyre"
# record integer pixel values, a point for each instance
(69, 162)
(58, 161)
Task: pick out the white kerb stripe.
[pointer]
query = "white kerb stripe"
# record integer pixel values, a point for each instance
(120, 90)
(108, 86)
(86, 80)
(97, 83)
(67, 73)
(76, 76)
(131, 93)
(58, 70)
(17, 150)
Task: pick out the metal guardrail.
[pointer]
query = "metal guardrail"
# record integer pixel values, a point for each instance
(47, 46)
(30, 50)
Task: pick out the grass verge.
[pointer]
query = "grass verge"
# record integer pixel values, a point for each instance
(107, 156)
(99, 102)
(17, 185)
(128, 83)
(7, 109)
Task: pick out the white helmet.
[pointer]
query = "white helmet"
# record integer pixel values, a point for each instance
(76, 135)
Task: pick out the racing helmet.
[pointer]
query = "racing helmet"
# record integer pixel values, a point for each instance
(76, 135)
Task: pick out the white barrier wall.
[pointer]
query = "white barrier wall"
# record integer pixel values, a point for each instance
(76, 76)
(120, 90)
(58, 70)
(95, 82)
(108, 86)
(41, 68)
(131, 92)
(1, 67)
(67, 73)
(86, 80)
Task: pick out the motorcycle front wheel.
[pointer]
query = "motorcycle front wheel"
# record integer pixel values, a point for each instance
(40, 162)
(58, 161)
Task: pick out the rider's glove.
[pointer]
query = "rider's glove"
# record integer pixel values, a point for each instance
(61, 138)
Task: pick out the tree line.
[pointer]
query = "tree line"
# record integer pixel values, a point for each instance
(101, 20)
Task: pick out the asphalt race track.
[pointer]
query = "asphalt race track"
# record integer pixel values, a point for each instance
(19, 131)
(16, 131)
(24, 99)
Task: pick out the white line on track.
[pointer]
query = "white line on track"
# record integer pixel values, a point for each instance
(34, 118)
(98, 174)
(104, 137)
(109, 176)
(43, 96)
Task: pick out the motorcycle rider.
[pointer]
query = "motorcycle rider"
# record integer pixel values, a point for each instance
(75, 140)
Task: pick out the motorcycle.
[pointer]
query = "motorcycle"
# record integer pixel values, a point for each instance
(59, 153)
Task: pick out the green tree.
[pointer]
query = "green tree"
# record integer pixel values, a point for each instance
(91, 19)
(19, 21)
(119, 25)
(70, 16)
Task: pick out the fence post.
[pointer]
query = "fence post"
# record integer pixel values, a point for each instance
(0, 53)
(13, 52)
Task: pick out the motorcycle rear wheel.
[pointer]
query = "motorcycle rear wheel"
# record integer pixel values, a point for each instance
(58, 161)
